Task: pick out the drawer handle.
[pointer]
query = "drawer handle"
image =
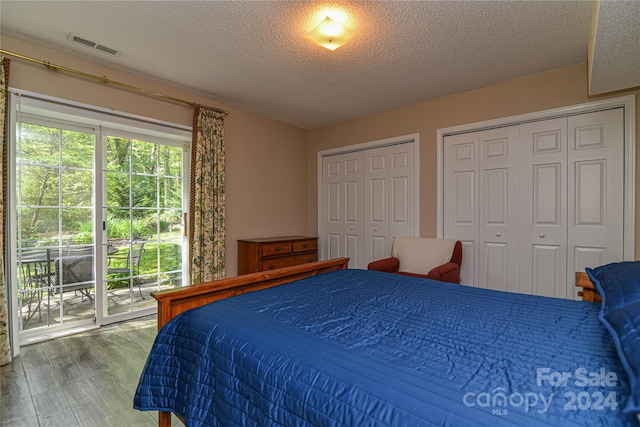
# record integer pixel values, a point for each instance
(304, 246)
(309, 259)
(271, 267)
(278, 249)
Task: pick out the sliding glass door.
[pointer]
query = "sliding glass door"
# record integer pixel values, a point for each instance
(98, 216)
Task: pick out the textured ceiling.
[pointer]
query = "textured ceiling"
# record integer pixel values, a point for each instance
(253, 55)
(614, 62)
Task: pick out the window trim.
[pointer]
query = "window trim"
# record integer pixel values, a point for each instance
(27, 101)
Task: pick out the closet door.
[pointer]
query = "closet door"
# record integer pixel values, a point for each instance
(402, 186)
(389, 178)
(353, 211)
(369, 197)
(332, 188)
(549, 201)
(543, 208)
(596, 190)
(344, 200)
(460, 199)
(499, 209)
(377, 242)
(481, 205)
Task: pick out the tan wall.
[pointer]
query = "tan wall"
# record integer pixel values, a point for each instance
(267, 194)
(266, 159)
(553, 89)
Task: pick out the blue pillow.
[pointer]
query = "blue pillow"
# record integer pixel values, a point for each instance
(624, 325)
(618, 284)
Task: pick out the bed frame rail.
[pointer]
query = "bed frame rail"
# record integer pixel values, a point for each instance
(172, 302)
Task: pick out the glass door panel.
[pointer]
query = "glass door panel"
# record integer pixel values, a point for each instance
(143, 227)
(54, 217)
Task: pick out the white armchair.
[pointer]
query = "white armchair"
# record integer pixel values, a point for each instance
(438, 259)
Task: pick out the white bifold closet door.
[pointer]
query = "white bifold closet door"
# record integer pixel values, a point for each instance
(534, 203)
(368, 199)
(481, 204)
(344, 207)
(595, 193)
(544, 207)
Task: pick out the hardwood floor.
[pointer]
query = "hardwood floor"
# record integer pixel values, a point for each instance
(83, 380)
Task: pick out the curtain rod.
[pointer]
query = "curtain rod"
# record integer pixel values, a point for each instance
(104, 79)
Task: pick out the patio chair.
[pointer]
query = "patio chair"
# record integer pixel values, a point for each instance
(131, 261)
(35, 278)
(74, 272)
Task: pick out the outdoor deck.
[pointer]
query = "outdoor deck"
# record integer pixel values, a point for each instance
(77, 306)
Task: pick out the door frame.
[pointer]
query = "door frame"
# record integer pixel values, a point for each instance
(626, 102)
(413, 138)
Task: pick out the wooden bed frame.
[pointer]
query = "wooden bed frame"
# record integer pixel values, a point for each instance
(172, 302)
(589, 293)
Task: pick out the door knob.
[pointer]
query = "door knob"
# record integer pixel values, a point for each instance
(541, 235)
(351, 228)
(498, 234)
(375, 229)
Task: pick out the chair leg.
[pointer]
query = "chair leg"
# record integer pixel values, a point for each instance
(139, 287)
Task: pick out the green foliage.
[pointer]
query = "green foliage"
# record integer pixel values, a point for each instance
(84, 237)
(119, 228)
(142, 175)
(55, 172)
(143, 180)
(156, 268)
(170, 258)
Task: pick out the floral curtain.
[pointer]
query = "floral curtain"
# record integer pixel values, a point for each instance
(5, 347)
(207, 210)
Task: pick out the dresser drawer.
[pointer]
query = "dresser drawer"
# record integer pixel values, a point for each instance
(276, 248)
(273, 263)
(305, 245)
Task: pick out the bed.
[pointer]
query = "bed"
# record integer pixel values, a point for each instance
(323, 345)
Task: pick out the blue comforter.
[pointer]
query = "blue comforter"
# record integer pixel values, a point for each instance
(363, 348)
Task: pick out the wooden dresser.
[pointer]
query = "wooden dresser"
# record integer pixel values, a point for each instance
(275, 252)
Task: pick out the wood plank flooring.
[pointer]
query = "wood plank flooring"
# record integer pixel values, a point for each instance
(84, 380)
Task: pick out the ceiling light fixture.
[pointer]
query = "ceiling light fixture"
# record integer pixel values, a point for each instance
(330, 34)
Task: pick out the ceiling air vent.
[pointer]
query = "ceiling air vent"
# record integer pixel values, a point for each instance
(93, 45)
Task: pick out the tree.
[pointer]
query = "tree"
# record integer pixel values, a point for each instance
(56, 182)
